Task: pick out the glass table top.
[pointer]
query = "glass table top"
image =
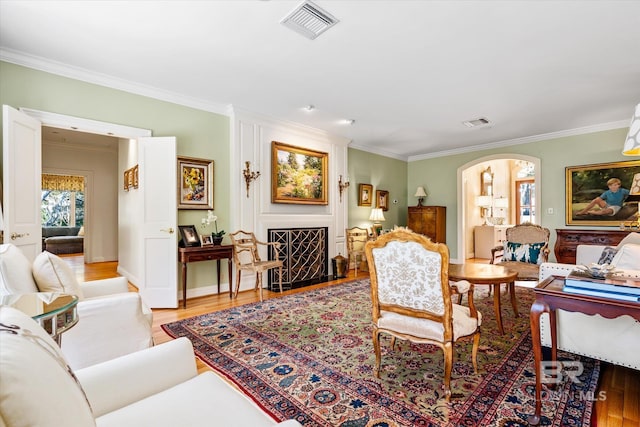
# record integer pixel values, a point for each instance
(40, 304)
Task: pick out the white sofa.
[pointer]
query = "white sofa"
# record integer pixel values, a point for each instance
(612, 340)
(112, 320)
(156, 387)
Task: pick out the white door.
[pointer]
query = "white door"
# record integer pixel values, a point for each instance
(158, 183)
(21, 181)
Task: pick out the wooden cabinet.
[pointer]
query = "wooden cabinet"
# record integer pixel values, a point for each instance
(430, 221)
(568, 240)
(487, 237)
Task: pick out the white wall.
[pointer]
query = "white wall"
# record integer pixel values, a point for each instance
(129, 207)
(252, 136)
(100, 167)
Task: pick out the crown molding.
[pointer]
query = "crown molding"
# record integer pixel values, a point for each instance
(65, 70)
(525, 140)
(379, 152)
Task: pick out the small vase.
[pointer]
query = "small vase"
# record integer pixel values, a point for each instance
(216, 240)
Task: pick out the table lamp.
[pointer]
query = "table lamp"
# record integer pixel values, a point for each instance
(377, 217)
(420, 194)
(632, 143)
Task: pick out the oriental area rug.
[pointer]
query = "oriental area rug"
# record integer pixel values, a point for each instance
(309, 356)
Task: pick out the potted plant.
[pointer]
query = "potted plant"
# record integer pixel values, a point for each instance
(216, 236)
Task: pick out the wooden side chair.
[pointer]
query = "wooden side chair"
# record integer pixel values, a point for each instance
(411, 297)
(246, 257)
(525, 248)
(356, 239)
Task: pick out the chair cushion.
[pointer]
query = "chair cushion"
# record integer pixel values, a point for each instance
(52, 274)
(15, 272)
(627, 258)
(523, 252)
(36, 386)
(463, 324)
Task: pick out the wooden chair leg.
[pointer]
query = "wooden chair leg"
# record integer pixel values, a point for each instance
(280, 278)
(259, 284)
(448, 366)
(376, 348)
(238, 274)
(474, 351)
(355, 263)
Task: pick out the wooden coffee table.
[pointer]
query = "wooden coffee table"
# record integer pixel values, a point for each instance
(488, 274)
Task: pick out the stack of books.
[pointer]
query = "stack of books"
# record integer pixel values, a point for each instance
(613, 286)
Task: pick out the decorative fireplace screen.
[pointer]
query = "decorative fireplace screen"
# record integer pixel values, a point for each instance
(304, 255)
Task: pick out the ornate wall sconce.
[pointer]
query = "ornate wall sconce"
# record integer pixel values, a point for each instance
(342, 185)
(249, 176)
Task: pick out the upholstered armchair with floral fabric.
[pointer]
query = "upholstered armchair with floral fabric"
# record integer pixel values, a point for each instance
(525, 248)
(411, 297)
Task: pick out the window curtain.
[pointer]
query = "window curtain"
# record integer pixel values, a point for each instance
(62, 182)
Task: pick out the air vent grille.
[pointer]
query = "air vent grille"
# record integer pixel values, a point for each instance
(309, 20)
(481, 121)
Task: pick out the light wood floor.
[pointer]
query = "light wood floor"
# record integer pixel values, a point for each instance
(621, 386)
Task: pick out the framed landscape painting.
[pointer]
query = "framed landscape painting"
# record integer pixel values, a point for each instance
(298, 175)
(586, 184)
(195, 183)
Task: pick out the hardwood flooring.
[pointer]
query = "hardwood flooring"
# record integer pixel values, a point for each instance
(620, 385)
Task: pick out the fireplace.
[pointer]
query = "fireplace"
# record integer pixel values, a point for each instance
(304, 255)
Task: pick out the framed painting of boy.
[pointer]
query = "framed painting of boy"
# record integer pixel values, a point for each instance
(599, 194)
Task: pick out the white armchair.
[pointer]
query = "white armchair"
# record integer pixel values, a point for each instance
(113, 321)
(612, 340)
(156, 387)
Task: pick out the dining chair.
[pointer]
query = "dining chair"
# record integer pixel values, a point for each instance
(356, 239)
(411, 297)
(246, 257)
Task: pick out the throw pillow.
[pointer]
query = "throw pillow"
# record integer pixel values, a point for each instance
(15, 271)
(38, 388)
(633, 238)
(627, 258)
(523, 252)
(81, 231)
(607, 255)
(52, 274)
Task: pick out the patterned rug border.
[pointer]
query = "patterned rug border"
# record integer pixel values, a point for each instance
(507, 371)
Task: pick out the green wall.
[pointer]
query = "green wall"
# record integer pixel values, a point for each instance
(439, 174)
(199, 133)
(383, 173)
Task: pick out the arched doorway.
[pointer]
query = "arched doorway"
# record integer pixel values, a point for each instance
(511, 204)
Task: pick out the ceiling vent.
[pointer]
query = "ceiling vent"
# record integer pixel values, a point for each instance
(309, 20)
(481, 121)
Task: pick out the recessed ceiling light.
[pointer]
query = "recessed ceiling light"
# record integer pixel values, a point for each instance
(480, 121)
(309, 108)
(349, 121)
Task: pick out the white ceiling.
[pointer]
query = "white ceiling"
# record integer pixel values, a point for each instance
(408, 72)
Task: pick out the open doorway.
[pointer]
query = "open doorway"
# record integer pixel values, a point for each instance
(93, 157)
(514, 198)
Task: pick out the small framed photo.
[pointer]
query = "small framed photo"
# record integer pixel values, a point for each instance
(365, 194)
(189, 235)
(195, 183)
(134, 170)
(126, 180)
(382, 199)
(206, 239)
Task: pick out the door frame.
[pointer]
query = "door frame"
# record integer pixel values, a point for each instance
(462, 194)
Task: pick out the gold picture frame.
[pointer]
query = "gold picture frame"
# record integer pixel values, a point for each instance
(298, 175)
(382, 199)
(195, 183)
(206, 240)
(365, 194)
(585, 183)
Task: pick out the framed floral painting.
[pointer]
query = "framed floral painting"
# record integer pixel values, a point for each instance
(195, 183)
(299, 175)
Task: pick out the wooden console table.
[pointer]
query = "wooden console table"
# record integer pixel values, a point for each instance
(568, 240)
(204, 253)
(549, 298)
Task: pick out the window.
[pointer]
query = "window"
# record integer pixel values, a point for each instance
(62, 201)
(525, 201)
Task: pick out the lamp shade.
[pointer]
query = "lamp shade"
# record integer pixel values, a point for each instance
(632, 143)
(483, 201)
(420, 192)
(376, 215)
(501, 202)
